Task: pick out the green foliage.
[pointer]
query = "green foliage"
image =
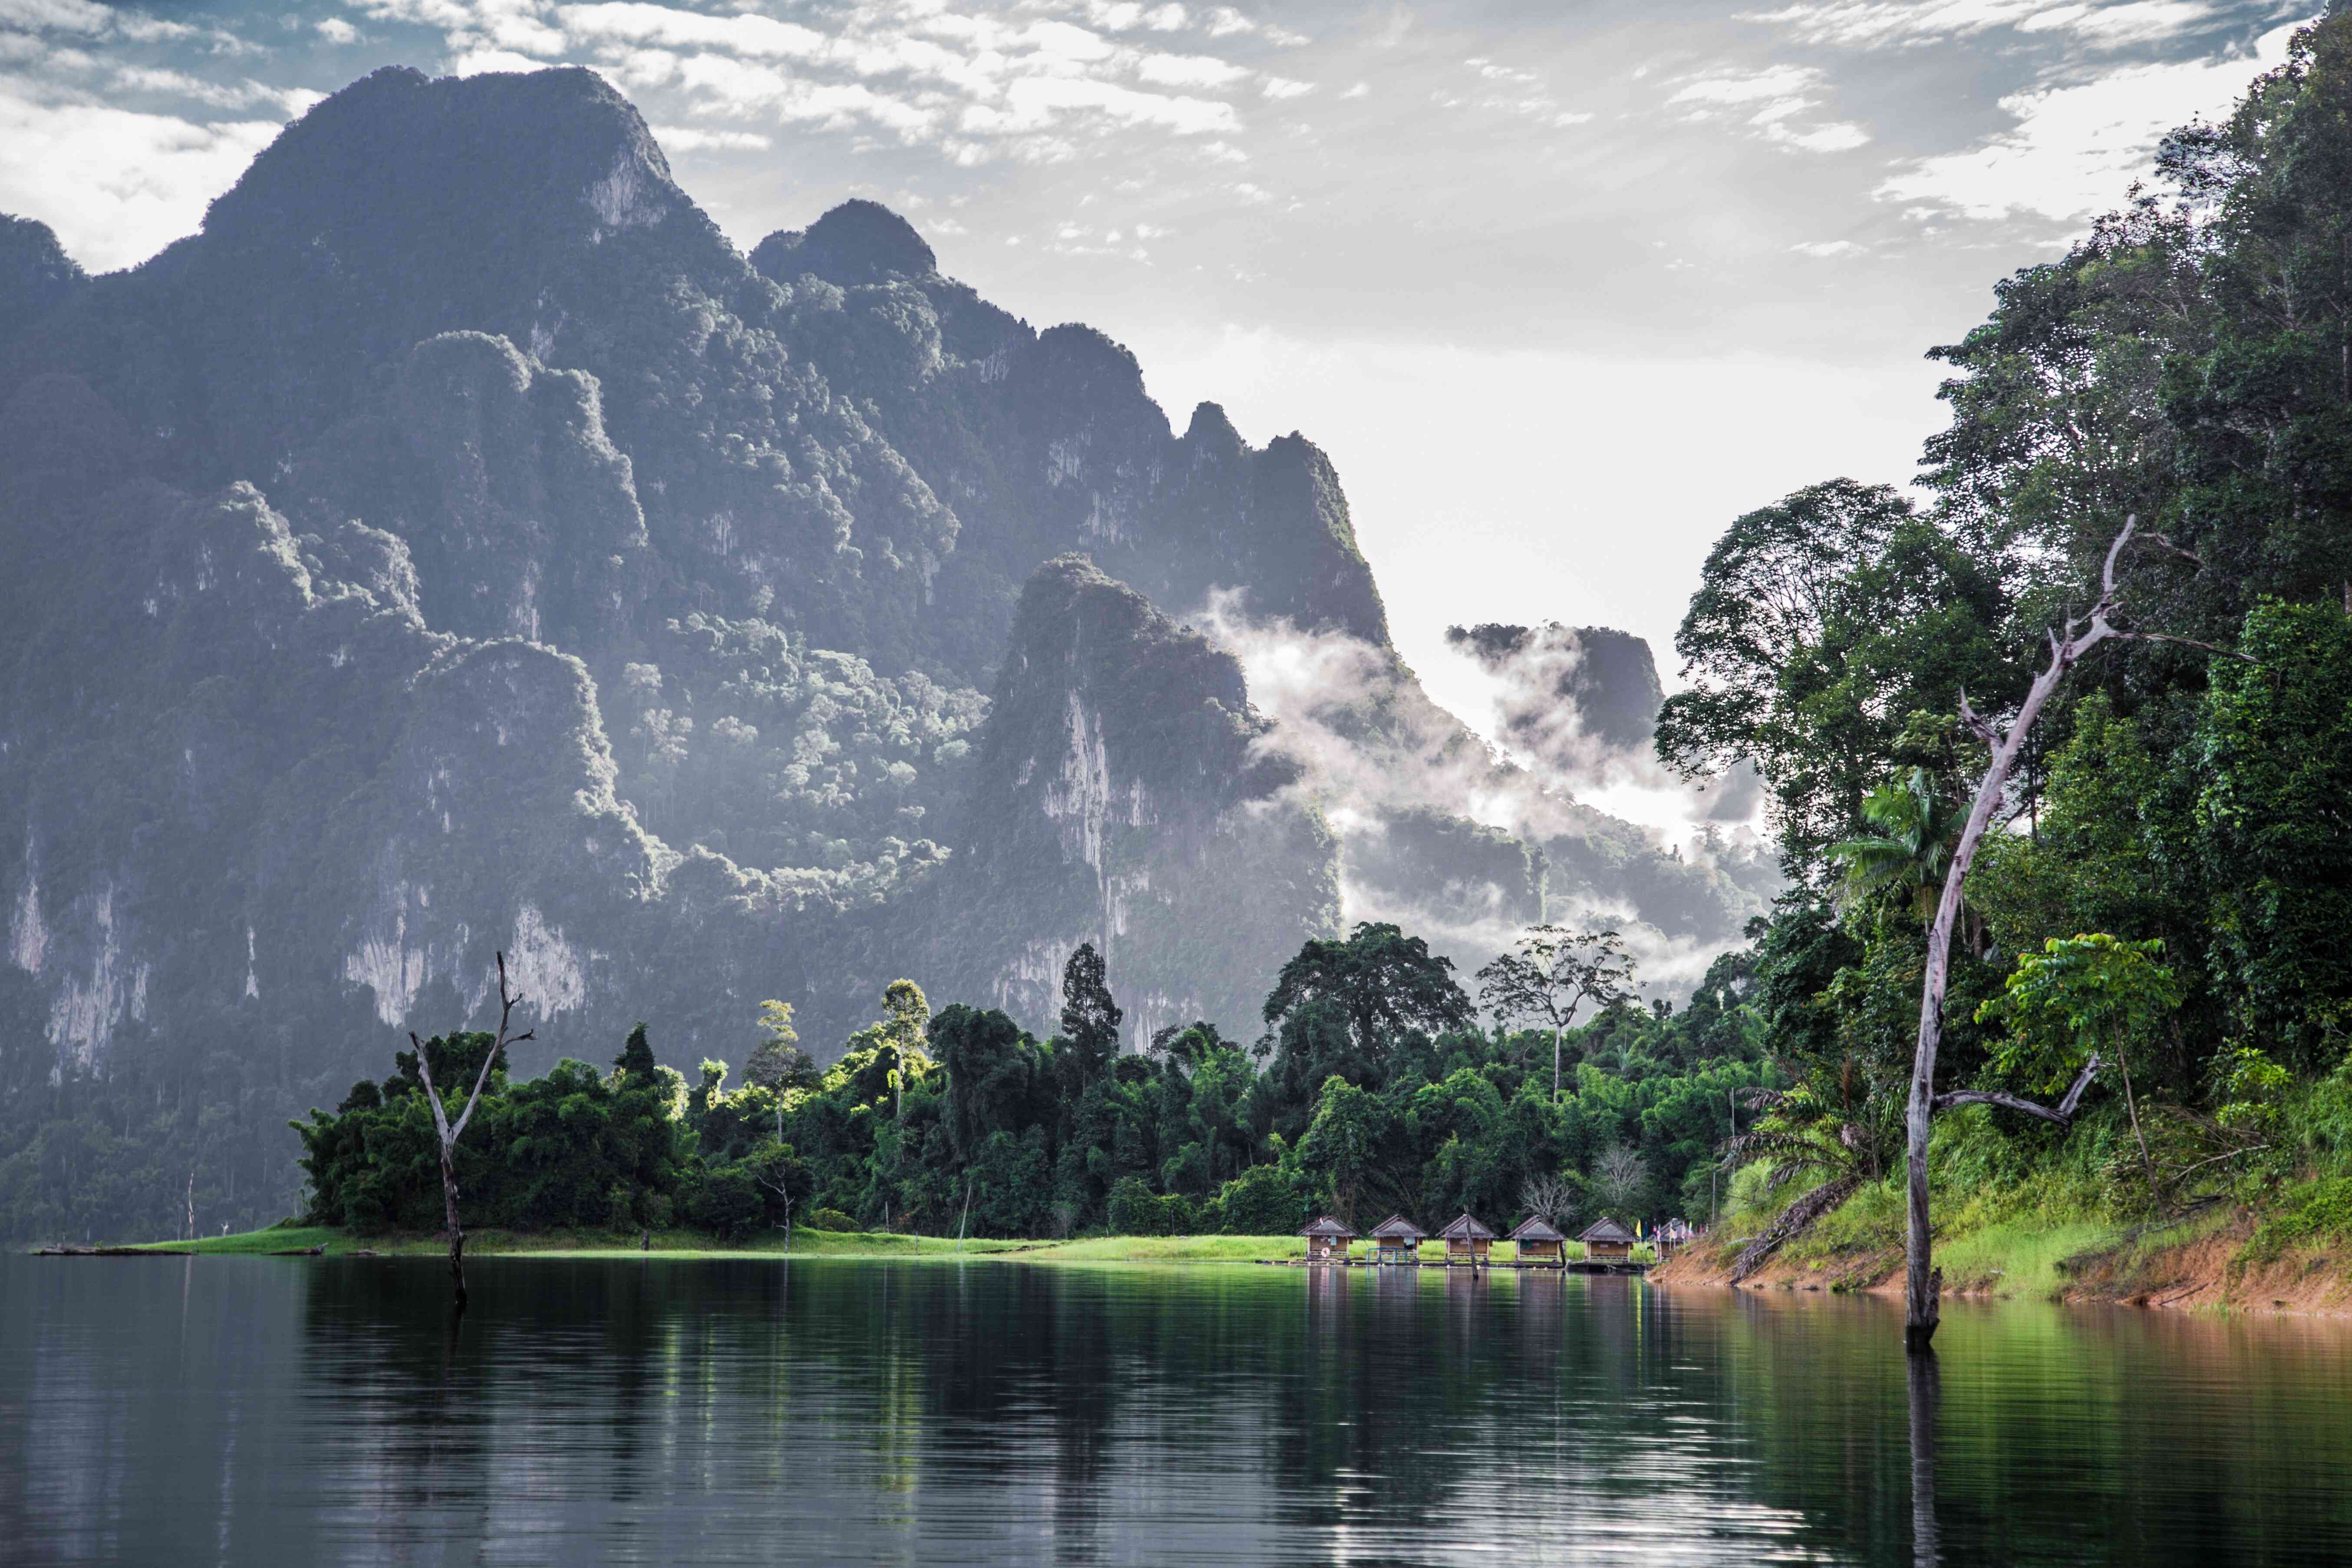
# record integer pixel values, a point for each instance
(1000, 1135)
(2278, 754)
(2078, 995)
(1821, 624)
(1264, 1200)
(2184, 791)
(1913, 831)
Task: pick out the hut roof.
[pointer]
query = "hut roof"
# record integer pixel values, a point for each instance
(1327, 1225)
(1466, 1228)
(1396, 1228)
(1534, 1227)
(1606, 1230)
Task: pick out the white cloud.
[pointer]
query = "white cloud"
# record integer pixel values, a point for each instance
(1727, 89)
(1033, 104)
(2076, 148)
(1774, 98)
(1836, 136)
(116, 185)
(2135, 22)
(693, 139)
(1224, 22)
(1884, 23)
(1188, 70)
(481, 62)
(335, 30)
(1361, 90)
(245, 94)
(973, 84)
(1827, 247)
(1281, 87)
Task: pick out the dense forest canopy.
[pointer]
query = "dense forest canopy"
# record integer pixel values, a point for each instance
(1372, 1093)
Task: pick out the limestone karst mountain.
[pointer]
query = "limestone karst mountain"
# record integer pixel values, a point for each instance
(459, 545)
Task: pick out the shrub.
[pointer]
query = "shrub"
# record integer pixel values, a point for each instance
(1134, 1208)
(828, 1219)
(1261, 1201)
(725, 1203)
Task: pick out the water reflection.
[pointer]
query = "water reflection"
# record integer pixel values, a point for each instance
(280, 1411)
(1925, 1388)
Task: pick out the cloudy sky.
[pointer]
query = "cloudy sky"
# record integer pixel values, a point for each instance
(1561, 285)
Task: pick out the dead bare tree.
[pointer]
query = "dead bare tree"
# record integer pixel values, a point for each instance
(1551, 1199)
(450, 1133)
(2068, 645)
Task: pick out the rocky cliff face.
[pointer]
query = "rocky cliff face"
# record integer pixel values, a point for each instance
(458, 546)
(1125, 797)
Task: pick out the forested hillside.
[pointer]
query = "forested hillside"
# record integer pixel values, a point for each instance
(459, 546)
(2170, 891)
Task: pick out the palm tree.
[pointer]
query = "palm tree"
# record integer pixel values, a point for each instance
(1910, 847)
(1821, 1130)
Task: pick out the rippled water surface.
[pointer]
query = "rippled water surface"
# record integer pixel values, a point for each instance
(284, 1411)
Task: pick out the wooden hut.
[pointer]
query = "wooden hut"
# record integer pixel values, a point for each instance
(1467, 1241)
(1606, 1241)
(1396, 1240)
(1326, 1240)
(1540, 1241)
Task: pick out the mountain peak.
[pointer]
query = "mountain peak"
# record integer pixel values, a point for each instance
(556, 149)
(857, 242)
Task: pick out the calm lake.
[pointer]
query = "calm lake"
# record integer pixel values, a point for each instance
(284, 1411)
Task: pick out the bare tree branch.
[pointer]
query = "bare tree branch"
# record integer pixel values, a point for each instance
(449, 1135)
(2062, 1114)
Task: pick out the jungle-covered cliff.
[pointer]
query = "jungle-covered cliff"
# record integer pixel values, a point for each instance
(458, 545)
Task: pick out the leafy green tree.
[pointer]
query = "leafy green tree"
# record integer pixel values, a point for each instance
(1821, 623)
(1908, 846)
(1551, 974)
(1090, 1018)
(2079, 996)
(2277, 845)
(1380, 983)
(778, 1063)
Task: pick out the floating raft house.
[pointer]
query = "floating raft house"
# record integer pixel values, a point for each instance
(1540, 1242)
(1468, 1240)
(1397, 1239)
(1605, 1239)
(1326, 1240)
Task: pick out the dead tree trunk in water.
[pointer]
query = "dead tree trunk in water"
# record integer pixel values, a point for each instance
(2066, 650)
(449, 1135)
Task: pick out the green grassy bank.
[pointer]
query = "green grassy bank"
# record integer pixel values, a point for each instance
(805, 1243)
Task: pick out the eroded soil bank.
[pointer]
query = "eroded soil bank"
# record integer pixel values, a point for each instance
(2203, 1264)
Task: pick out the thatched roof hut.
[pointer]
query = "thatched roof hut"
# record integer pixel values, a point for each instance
(1397, 1239)
(1540, 1241)
(1605, 1238)
(1327, 1239)
(1467, 1239)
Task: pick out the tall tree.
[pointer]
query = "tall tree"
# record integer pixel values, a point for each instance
(1090, 1018)
(1550, 974)
(777, 1062)
(1821, 624)
(1383, 982)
